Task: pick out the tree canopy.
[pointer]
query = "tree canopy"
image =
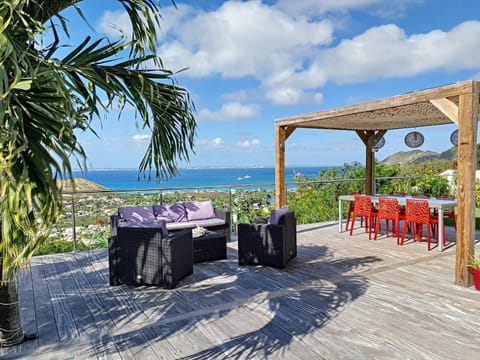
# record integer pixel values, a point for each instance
(49, 92)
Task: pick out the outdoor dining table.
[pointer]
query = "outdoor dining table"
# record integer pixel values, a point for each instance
(438, 204)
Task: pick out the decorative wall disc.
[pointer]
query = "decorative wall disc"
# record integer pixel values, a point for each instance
(380, 143)
(454, 138)
(414, 139)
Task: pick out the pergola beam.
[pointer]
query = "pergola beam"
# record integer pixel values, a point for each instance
(288, 131)
(447, 107)
(377, 106)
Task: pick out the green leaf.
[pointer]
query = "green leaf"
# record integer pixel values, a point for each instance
(22, 85)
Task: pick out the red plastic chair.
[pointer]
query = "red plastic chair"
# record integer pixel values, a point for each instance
(402, 194)
(350, 210)
(417, 214)
(389, 210)
(363, 208)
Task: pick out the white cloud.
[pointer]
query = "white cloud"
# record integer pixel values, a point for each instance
(244, 39)
(293, 96)
(217, 142)
(141, 138)
(229, 112)
(248, 143)
(114, 23)
(386, 52)
(287, 48)
(285, 95)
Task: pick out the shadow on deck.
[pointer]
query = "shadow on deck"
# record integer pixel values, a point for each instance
(342, 297)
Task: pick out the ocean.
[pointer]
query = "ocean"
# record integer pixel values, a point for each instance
(198, 177)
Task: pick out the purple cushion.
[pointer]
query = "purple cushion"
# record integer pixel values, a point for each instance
(137, 213)
(276, 214)
(170, 213)
(198, 210)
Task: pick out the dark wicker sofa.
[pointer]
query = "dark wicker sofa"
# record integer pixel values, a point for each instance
(153, 244)
(271, 244)
(143, 254)
(181, 216)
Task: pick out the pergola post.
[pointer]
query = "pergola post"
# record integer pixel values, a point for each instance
(280, 195)
(467, 163)
(281, 135)
(369, 166)
(365, 136)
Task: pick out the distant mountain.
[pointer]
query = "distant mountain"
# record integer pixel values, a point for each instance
(82, 184)
(450, 154)
(410, 157)
(417, 156)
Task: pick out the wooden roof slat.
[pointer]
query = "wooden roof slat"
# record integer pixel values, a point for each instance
(421, 108)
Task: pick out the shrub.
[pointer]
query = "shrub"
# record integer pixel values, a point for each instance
(433, 184)
(312, 204)
(477, 193)
(247, 204)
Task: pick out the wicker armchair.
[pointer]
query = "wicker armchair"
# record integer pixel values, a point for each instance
(268, 244)
(142, 255)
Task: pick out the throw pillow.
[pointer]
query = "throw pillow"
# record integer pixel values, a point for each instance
(170, 213)
(136, 213)
(199, 210)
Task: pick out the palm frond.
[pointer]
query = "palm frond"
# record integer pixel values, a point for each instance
(44, 100)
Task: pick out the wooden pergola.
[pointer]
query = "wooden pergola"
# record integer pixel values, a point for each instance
(457, 103)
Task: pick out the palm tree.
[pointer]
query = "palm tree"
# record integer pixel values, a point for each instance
(46, 98)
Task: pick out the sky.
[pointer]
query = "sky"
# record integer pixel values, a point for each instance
(249, 63)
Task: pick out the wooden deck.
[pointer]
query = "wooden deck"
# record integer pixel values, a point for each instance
(342, 298)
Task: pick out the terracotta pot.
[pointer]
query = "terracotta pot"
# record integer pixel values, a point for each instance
(476, 277)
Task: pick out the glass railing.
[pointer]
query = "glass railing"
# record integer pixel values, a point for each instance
(86, 215)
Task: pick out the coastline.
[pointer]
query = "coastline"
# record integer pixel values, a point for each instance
(81, 184)
(215, 177)
(211, 167)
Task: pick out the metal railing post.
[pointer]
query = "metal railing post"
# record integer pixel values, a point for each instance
(286, 194)
(230, 205)
(74, 228)
(334, 202)
(230, 200)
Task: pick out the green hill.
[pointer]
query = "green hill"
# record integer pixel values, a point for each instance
(82, 184)
(410, 157)
(451, 154)
(418, 156)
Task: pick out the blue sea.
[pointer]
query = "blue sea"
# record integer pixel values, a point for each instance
(201, 177)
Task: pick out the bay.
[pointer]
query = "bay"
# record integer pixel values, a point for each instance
(120, 179)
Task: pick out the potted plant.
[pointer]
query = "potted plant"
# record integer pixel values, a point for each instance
(474, 266)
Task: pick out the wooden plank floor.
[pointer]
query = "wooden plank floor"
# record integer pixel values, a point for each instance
(342, 298)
